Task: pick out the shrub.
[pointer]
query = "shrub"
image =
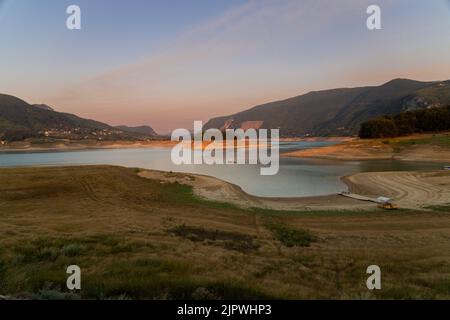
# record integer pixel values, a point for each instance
(72, 250)
(292, 237)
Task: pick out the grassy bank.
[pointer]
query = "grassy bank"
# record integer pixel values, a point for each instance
(418, 147)
(439, 140)
(138, 238)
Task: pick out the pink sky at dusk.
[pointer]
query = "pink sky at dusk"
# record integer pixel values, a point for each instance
(235, 57)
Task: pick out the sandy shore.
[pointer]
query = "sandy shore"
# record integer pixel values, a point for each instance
(408, 189)
(317, 139)
(353, 150)
(68, 145)
(31, 145)
(217, 190)
(359, 150)
(424, 153)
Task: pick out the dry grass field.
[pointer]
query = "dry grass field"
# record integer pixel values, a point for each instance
(140, 238)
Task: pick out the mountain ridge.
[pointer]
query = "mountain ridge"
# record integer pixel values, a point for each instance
(20, 120)
(144, 129)
(339, 111)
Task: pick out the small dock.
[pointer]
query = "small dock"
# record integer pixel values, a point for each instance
(358, 197)
(382, 202)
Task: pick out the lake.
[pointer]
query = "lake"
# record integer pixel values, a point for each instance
(296, 177)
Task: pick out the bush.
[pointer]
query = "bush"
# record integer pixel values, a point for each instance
(72, 250)
(225, 239)
(292, 237)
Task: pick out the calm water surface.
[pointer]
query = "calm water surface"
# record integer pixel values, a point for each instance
(296, 177)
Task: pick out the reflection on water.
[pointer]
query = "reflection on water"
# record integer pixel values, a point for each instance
(297, 177)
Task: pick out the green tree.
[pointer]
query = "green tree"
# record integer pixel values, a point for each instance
(378, 128)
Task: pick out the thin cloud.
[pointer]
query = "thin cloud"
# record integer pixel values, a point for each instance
(227, 62)
(256, 25)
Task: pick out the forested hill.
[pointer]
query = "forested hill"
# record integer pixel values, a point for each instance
(404, 123)
(20, 120)
(338, 112)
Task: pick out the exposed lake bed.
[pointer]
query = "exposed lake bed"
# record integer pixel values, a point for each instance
(297, 177)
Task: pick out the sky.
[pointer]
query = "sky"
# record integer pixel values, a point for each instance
(166, 63)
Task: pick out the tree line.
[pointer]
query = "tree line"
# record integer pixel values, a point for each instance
(405, 123)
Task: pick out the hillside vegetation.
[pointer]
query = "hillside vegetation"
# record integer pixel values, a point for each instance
(20, 120)
(339, 112)
(145, 130)
(406, 123)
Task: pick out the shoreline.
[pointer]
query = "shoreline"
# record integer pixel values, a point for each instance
(431, 154)
(61, 147)
(419, 147)
(408, 189)
(347, 148)
(217, 190)
(69, 145)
